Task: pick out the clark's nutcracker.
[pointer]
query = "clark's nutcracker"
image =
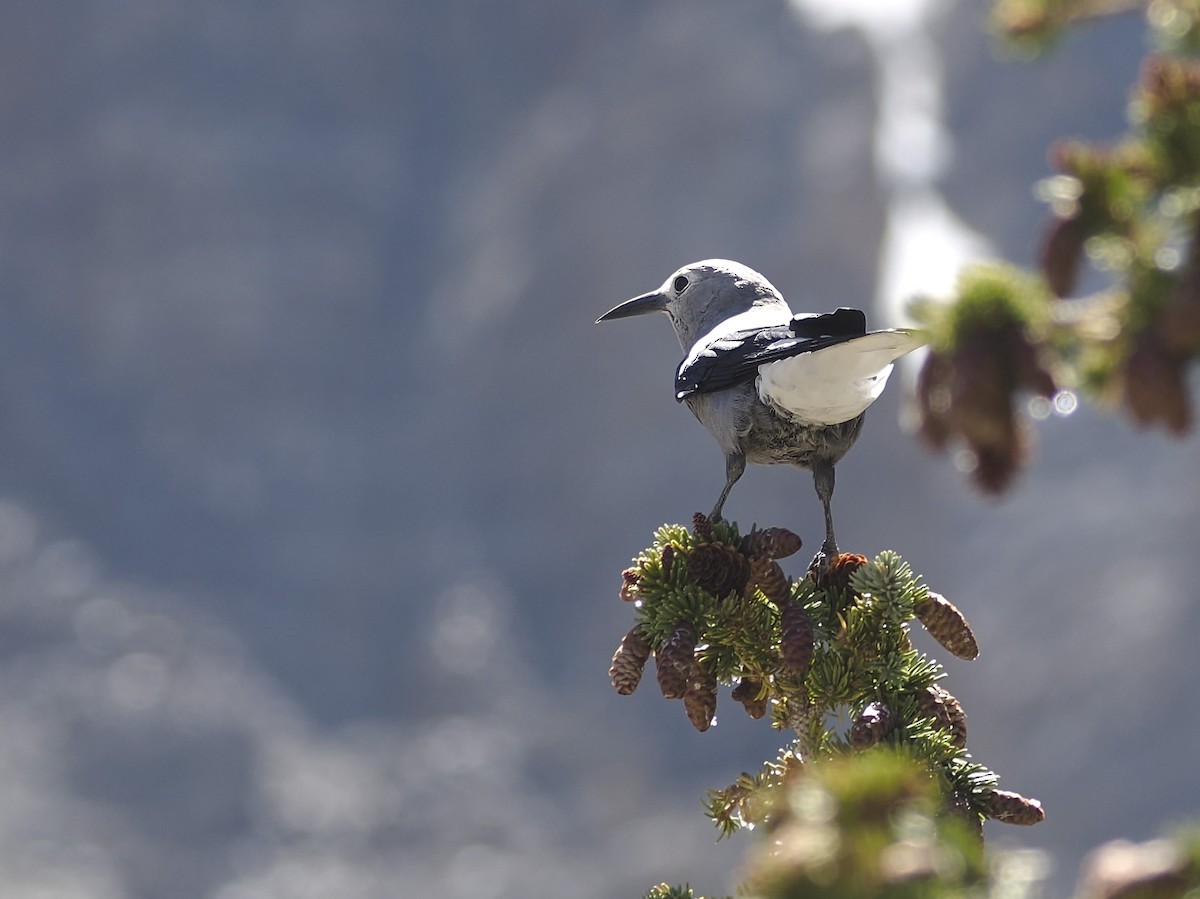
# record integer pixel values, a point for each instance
(770, 386)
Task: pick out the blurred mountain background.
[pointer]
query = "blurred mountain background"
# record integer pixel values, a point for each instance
(317, 478)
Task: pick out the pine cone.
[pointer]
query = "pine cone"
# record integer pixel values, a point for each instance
(1062, 251)
(796, 638)
(1156, 390)
(700, 700)
(947, 625)
(752, 693)
(837, 573)
(769, 578)
(995, 467)
(675, 661)
(774, 543)
(667, 558)
(946, 711)
(1013, 808)
(702, 527)
(1178, 322)
(875, 722)
(628, 662)
(970, 393)
(718, 568)
(629, 582)
(934, 399)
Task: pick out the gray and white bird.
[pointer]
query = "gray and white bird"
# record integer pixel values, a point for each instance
(771, 387)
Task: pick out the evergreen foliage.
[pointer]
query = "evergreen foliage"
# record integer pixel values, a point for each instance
(832, 646)
(1129, 209)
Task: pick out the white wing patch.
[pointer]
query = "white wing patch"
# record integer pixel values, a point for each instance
(836, 384)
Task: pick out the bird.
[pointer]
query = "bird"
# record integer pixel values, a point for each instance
(770, 386)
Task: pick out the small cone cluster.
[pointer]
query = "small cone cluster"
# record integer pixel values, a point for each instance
(969, 394)
(947, 625)
(721, 569)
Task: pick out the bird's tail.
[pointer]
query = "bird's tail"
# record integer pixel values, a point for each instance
(837, 383)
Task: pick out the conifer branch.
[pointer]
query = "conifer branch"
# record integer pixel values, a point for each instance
(714, 609)
(1012, 338)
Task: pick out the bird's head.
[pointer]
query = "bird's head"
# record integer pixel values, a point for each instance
(699, 297)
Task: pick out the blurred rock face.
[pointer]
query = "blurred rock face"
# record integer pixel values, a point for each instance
(319, 478)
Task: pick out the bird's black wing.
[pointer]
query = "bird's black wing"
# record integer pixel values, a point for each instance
(843, 322)
(735, 358)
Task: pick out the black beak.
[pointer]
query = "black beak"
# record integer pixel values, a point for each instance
(647, 302)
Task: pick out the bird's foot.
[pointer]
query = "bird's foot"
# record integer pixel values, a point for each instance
(824, 559)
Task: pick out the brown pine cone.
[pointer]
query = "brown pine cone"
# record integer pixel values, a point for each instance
(628, 662)
(947, 625)
(1027, 367)
(675, 661)
(1156, 390)
(774, 543)
(702, 527)
(946, 711)
(934, 399)
(667, 558)
(796, 638)
(995, 467)
(1062, 251)
(629, 582)
(875, 722)
(769, 577)
(753, 695)
(1178, 322)
(718, 568)
(700, 700)
(1013, 808)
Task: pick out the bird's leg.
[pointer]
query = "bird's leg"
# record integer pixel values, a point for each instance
(735, 464)
(823, 481)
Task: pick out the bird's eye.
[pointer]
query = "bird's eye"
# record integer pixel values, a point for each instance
(680, 284)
